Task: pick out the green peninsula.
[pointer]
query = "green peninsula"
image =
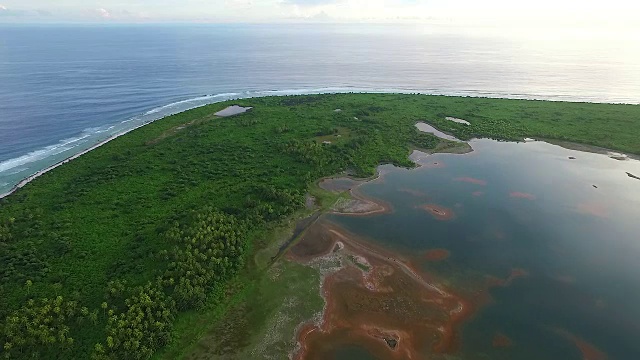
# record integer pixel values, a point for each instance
(170, 233)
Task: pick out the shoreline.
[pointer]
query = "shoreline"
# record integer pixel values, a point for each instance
(323, 91)
(39, 173)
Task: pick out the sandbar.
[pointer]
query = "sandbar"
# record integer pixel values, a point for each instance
(438, 212)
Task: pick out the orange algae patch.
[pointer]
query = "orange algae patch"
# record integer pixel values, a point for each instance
(389, 310)
(501, 340)
(438, 212)
(437, 254)
(589, 352)
(522, 195)
(594, 209)
(471, 180)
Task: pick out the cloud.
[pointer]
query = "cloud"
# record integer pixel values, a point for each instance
(5, 11)
(239, 3)
(43, 12)
(321, 16)
(309, 3)
(104, 13)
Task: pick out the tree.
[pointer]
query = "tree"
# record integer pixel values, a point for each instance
(104, 307)
(28, 284)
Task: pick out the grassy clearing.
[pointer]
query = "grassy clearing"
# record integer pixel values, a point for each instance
(260, 311)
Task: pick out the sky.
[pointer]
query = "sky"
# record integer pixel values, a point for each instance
(540, 13)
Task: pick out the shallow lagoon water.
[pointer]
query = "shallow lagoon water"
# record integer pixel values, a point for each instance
(558, 226)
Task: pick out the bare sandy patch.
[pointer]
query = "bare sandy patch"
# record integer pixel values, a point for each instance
(232, 110)
(456, 120)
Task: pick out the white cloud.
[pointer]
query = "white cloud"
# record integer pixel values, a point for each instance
(502, 14)
(104, 13)
(239, 3)
(310, 3)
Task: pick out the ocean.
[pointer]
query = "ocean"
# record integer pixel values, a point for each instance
(64, 88)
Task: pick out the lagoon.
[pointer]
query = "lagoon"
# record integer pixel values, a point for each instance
(541, 248)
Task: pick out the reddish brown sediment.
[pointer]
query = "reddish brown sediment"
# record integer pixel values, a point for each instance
(501, 340)
(471, 180)
(438, 212)
(589, 351)
(477, 193)
(437, 254)
(515, 273)
(522, 195)
(594, 209)
(388, 309)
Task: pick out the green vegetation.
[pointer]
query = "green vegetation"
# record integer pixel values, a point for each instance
(120, 252)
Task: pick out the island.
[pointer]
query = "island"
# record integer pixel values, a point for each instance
(178, 233)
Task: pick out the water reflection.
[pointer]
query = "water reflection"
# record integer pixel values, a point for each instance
(548, 234)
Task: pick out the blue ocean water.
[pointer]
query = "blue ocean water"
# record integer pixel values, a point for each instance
(65, 88)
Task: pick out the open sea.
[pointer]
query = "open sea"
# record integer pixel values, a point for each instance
(66, 88)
